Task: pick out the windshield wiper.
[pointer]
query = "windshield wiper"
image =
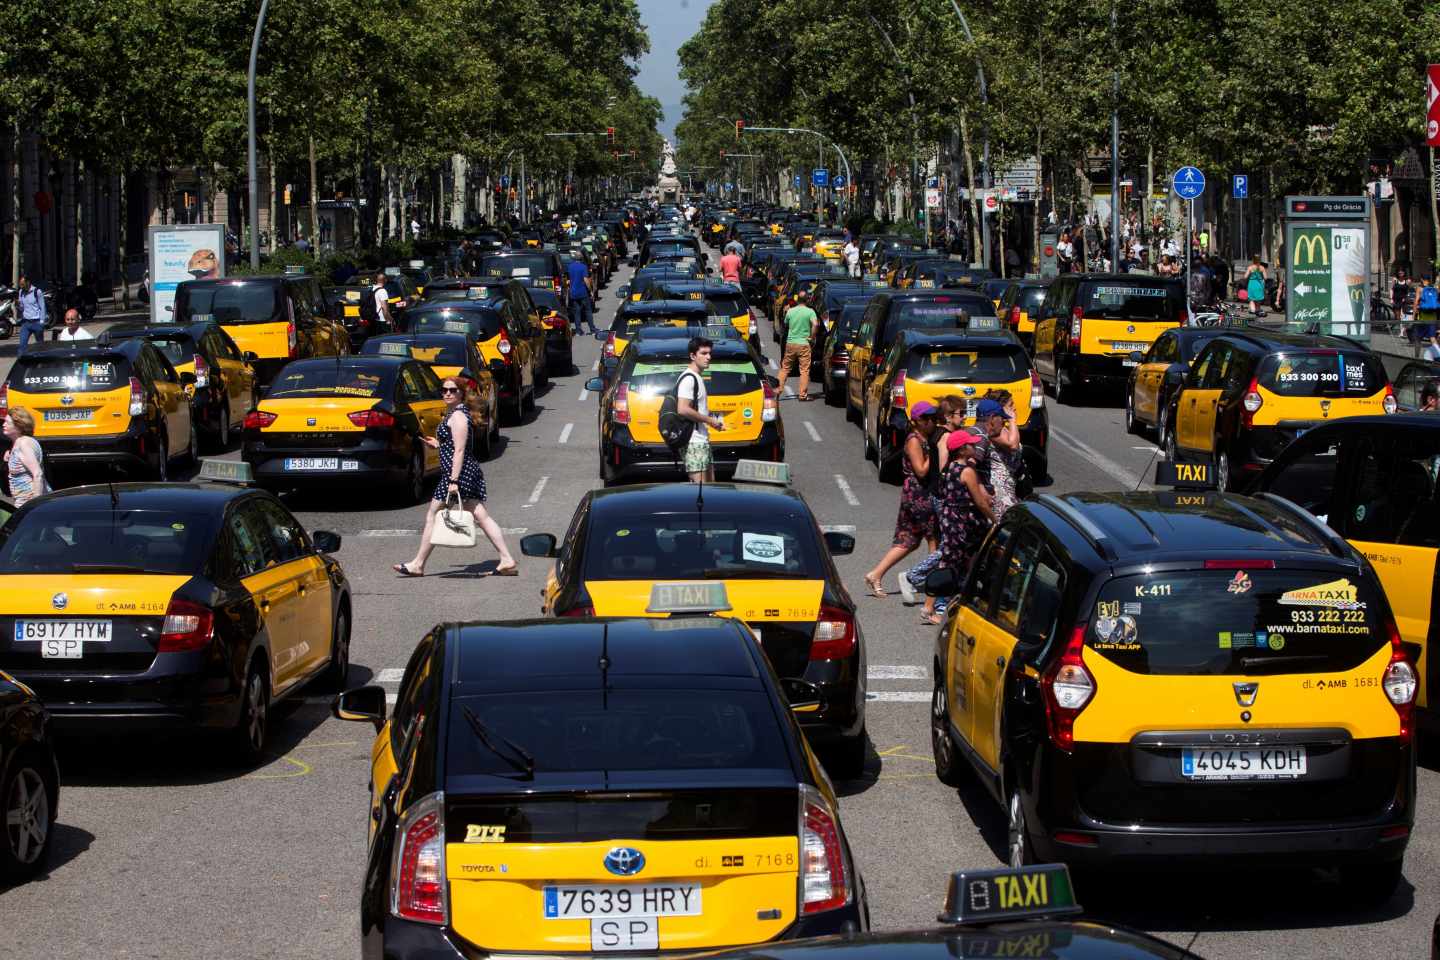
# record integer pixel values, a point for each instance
(517, 758)
(755, 573)
(113, 568)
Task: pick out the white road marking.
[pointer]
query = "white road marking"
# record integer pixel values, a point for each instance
(586, 393)
(837, 528)
(898, 696)
(845, 490)
(596, 364)
(1118, 473)
(508, 531)
(393, 674)
(539, 489)
(905, 672)
(810, 429)
(1148, 449)
(565, 434)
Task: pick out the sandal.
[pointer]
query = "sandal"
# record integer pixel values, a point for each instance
(511, 571)
(404, 570)
(877, 589)
(934, 619)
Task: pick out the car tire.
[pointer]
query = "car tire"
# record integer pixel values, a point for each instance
(948, 762)
(486, 448)
(27, 817)
(337, 673)
(1223, 477)
(1065, 392)
(162, 459)
(1132, 426)
(868, 449)
(847, 758)
(221, 440)
(252, 726)
(850, 415)
(192, 452)
(1370, 884)
(413, 489)
(1167, 441)
(1162, 419)
(1018, 851)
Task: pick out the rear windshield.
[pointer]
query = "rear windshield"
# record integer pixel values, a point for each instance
(718, 546)
(618, 730)
(1132, 301)
(547, 299)
(1030, 298)
(63, 539)
(939, 315)
(226, 303)
(987, 364)
(727, 306)
(449, 352)
(327, 379)
(176, 349)
(850, 320)
(1322, 375)
(517, 266)
(656, 379)
(1214, 622)
(630, 323)
(483, 324)
(67, 375)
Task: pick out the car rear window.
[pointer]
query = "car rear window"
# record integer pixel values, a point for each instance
(1248, 622)
(448, 352)
(517, 266)
(70, 374)
(617, 730)
(483, 324)
(1132, 301)
(1328, 374)
(1031, 297)
(961, 364)
(655, 379)
(61, 538)
(547, 299)
(176, 349)
(328, 379)
(940, 314)
(781, 544)
(630, 323)
(727, 306)
(230, 303)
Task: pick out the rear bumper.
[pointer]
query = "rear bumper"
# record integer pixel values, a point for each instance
(627, 458)
(1095, 370)
(177, 691)
(1302, 847)
(130, 452)
(365, 463)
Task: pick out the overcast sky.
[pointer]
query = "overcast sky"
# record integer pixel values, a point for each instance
(670, 23)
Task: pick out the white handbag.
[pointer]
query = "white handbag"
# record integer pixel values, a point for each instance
(454, 525)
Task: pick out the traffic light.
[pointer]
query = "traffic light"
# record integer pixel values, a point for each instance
(722, 156)
(610, 136)
(739, 129)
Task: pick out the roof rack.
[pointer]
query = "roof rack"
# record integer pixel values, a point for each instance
(1097, 538)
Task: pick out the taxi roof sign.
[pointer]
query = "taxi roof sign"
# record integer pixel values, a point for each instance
(394, 348)
(392, 271)
(762, 471)
(688, 598)
(454, 326)
(988, 896)
(417, 264)
(1184, 476)
(226, 471)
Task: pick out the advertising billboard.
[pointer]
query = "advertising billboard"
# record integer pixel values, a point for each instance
(1327, 269)
(182, 251)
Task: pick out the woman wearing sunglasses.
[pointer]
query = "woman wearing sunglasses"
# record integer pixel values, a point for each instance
(463, 479)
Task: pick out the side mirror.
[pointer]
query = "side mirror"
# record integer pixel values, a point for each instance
(709, 271)
(325, 541)
(169, 309)
(250, 356)
(362, 703)
(840, 544)
(538, 545)
(602, 335)
(1136, 355)
(187, 378)
(803, 697)
(623, 292)
(943, 582)
(595, 385)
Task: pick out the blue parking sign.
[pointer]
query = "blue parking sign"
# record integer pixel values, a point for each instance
(1240, 186)
(820, 177)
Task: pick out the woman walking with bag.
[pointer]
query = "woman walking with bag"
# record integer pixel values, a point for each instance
(462, 482)
(916, 518)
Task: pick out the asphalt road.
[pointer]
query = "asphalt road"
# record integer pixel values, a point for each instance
(163, 851)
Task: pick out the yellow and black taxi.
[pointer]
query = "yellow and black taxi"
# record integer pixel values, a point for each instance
(29, 782)
(101, 408)
(170, 606)
(740, 393)
(540, 268)
(347, 298)
(1009, 912)
(671, 248)
(873, 246)
(926, 365)
(891, 312)
(632, 317)
(224, 389)
(277, 318)
(941, 272)
(510, 343)
(1090, 324)
(723, 302)
(796, 279)
(1179, 676)
(996, 287)
(555, 321)
(893, 261)
(420, 274)
(1372, 479)
(762, 542)
(1248, 394)
(1020, 306)
(460, 288)
(640, 787)
(835, 357)
(1158, 372)
(647, 277)
(450, 355)
(402, 293)
(351, 421)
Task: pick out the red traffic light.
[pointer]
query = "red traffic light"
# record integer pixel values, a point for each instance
(739, 129)
(610, 135)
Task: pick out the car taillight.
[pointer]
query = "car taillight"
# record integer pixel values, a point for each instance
(417, 876)
(1068, 689)
(824, 877)
(258, 419)
(137, 398)
(290, 337)
(1389, 403)
(1037, 391)
(1252, 403)
(770, 406)
(202, 372)
(504, 346)
(620, 407)
(897, 391)
(188, 626)
(1014, 318)
(1400, 683)
(834, 635)
(367, 419)
(1075, 317)
(609, 349)
(4, 400)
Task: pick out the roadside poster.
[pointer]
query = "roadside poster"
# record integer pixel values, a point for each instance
(1327, 266)
(178, 252)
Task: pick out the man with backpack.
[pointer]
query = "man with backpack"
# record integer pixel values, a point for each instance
(1427, 311)
(375, 308)
(688, 426)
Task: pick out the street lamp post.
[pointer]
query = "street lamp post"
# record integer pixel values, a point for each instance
(812, 133)
(254, 175)
(985, 174)
(914, 134)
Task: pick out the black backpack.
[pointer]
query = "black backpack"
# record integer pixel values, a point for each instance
(675, 429)
(369, 313)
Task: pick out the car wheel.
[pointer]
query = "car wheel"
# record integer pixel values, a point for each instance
(338, 672)
(847, 758)
(1018, 851)
(1222, 469)
(162, 460)
(487, 444)
(850, 415)
(1168, 441)
(192, 452)
(1162, 420)
(869, 448)
(1131, 424)
(1064, 390)
(29, 813)
(1370, 884)
(415, 478)
(221, 440)
(942, 745)
(247, 738)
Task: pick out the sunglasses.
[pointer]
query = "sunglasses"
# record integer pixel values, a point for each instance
(449, 389)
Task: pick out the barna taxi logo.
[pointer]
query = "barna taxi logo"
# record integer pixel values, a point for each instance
(1337, 594)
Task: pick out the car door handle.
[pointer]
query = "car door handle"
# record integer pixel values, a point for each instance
(304, 590)
(265, 605)
(1000, 662)
(969, 640)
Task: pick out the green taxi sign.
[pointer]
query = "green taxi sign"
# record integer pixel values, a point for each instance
(688, 598)
(762, 471)
(393, 348)
(226, 471)
(1184, 476)
(453, 326)
(988, 896)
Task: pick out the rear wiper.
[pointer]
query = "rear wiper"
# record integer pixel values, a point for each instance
(111, 568)
(517, 758)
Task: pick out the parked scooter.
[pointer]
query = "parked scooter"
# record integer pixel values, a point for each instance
(7, 311)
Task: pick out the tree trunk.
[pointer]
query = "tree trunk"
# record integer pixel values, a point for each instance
(460, 196)
(1035, 220)
(314, 200)
(270, 202)
(974, 199)
(16, 209)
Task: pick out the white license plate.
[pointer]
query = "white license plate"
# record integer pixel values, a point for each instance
(1130, 363)
(630, 933)
(312, 463)
(1118, 347)
(61, 416)
(39, 631)
(1247, 763)
(349, 464)
(612, 900)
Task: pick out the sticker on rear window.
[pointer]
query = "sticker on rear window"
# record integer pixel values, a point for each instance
(1116, 633)
(1128, 292)
(1337, 594)
(1240, 583)
(762, 548)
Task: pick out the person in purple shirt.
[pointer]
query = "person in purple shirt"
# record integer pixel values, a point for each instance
(582, 305)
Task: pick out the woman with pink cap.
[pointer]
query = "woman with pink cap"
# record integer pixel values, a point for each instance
(966, 511)
(916, 518)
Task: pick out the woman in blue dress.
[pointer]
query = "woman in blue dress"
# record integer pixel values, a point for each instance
(462, 480)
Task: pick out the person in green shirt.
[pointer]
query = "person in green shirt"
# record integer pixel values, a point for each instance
(800, 327)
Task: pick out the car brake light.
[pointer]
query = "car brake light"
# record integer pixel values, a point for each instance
(897, 391)
(609, 349)
(4, 400)
(1069, 688)
(290, 337)
(770, 406)
(188, 626)
(137, 398)
(1014, 318)
(1252, 403)
(1037, 391)
(202, 372)
(368, 419)
(259, 419)
(1388, 403)
(504, 346)
(834, 635)
(824, 879)
(1239, 564)
(1399, 683)
(1076, 315)
(620, 407)
(417, 876)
